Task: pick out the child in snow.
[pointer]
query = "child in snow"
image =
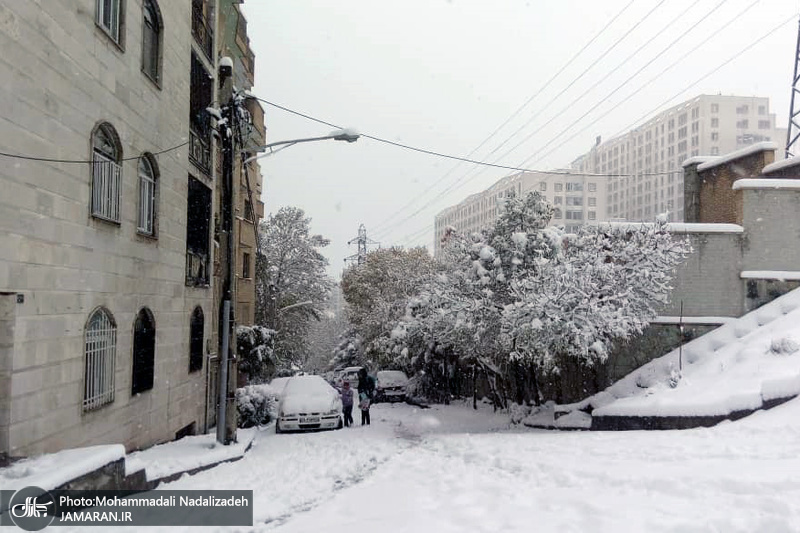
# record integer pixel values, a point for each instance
(347, 404)
(364, 406)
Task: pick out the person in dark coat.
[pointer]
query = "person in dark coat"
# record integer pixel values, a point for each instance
(347, 404)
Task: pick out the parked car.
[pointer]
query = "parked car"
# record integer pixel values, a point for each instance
(308, 403)
(390, 386)
(278, 384)
(349, 374)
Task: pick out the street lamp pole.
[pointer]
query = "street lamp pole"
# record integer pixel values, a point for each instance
(346, 135)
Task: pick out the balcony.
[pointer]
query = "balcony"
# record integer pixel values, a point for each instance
(201, 30)
(200, 152)
(196, 269)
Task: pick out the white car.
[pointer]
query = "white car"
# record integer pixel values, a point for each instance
(308, 403)
(349, 374)
(390, 386)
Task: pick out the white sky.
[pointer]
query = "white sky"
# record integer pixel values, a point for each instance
(443, 75)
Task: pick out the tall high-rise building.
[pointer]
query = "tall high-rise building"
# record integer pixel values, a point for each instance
(576, 199)
(648, 159)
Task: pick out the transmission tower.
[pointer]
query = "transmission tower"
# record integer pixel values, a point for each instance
(793, 132)
(363, 241)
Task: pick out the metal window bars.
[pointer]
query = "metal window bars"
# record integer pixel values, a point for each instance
(101, 347)
(106, 174)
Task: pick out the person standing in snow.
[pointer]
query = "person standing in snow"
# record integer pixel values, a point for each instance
(363, 404)
(366, 390)
(347, 404)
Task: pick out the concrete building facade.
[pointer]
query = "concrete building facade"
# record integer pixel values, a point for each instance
(576, 198)
(648, 160)
(108, 325)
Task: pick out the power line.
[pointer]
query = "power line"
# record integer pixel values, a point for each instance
(83, 161)
(510, 117)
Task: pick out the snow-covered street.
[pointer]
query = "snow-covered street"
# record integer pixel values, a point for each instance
(449, 469)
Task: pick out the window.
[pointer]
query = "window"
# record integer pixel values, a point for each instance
(742, 110)
(715, 150)
(557, 200)
(246, 266)
(574, 200)
(543, 186)
(557, 213)
(592, 187)
(743, 124)
(763, 124)
(592, 215)
(144, 352)
(592, 201)
(714, 136)
(248, 210)
(196, 340)
(198, 216)
(106, 173)
(100, 348)
(108, 15)
(715, 123)
(715, 108)
(145, 222)
(573, 187)
(151, 40)
(574, 215)
(558, 187)
(762, 110)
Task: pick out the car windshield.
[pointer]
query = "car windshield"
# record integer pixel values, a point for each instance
(392, 376)
(307, 385)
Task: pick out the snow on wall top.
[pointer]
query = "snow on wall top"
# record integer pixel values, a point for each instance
(766, 183)
(779, 165)
(736, 366)
(699, 159)
(747, 150)
(53, 470)
(680, 227)
(782, 275)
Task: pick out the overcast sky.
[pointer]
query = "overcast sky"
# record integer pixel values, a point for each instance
(444, 75)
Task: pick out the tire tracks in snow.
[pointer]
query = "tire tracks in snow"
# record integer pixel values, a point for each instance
(405, 433)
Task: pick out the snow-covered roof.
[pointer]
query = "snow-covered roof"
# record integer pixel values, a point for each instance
(699, 159)
(747, 150)
(766, 183)
(791, 275)
(779, 165)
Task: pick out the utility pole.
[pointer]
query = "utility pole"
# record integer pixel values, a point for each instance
(362, 240)
(225, 409)
(793, 131)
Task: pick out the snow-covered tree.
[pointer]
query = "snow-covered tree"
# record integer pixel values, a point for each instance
(377, 291)
(291, 283)
(255, 347)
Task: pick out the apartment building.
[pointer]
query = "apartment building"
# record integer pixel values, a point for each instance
(576, 198)
(648, 159)
(108, 324)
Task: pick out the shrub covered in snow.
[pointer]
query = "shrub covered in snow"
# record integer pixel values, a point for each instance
(256, 404)
(784, 346)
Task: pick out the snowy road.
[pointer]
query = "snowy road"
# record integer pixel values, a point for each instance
(449, 469)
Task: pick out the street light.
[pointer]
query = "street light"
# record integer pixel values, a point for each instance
(347, 135)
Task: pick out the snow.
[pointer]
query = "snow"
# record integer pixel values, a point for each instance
(737, 366)
(780, 165)
(53, 470)
(732, 156)
(186, 454)
(791, 275)
(678, 227)
(766, 183)
(699, 159)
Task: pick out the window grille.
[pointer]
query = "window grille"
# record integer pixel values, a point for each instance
(100, 348)
(108, 17)
(147, 193)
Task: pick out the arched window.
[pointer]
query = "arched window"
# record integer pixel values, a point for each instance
(151, 40)
(144, 351)
(106, 172)
(196, 340)
(100, 348)
(147, 195)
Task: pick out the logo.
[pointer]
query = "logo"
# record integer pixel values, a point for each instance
(32, 508)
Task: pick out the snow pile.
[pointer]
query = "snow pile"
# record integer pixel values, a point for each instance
(186, 454)
(736, 367)
(53, 470)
